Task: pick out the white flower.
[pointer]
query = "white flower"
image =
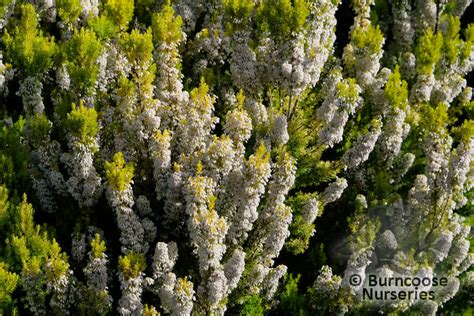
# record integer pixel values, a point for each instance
(270, 284)
(428, 307)
(129, 224)
(421, 90)
(388, 240)
(391, 137)
(183, 298)
(243, 67)
(30, 93)
(441, 246)
(89, 7)
(164, 258)
(130, 303)
(249, 184)
(280, 130)
(96, 273)
(332, 133)
(445, 293)
(257, 111)
(78, 247)
(334, 190)
(84, 183)
(62, 78)
(216, 287)
(311, 210)
(143, 206)
(238, 125)
(207, 229)
(233, 269)
(362, 148)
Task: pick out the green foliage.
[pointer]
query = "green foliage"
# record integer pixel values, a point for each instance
(150, 311)
(260, 157)
(29, 252)
(465, 132)
(239, 9)
(131, 265)
(330, 305)
(201, 98)
(428, 51)
(382, 186)
(396, 90)
(313, 171)
(166, 26)
(97, 246)
(240, 97)
(118, 174)
(144, 9)
(301, 231)
(291, 300)
(30, 248)
(102, 26)
(82, 123)
(80, 54)
(23, 218)
(8, 283)
(120, 12)
(3, 6)
(137, 47)
(14, 155)
(26, 47)
(39, 129)
(68, 10)
(435, 118)
(469, 108)
(57, 262)
(282, 17)
(369, 38)
(238, 14)
(297, 144)
(469, 41)
(451, 41)
(380, 11)
(4, 206)
(92, 302)
(348, 90)
(253, 306)
(364, 230)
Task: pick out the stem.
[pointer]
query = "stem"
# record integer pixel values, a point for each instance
(270, 97)
(293, 111)
(289, 104)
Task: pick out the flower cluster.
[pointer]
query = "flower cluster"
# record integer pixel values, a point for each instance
(187, 151)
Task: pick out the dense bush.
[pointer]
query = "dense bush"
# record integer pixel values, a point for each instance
(236, 156)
